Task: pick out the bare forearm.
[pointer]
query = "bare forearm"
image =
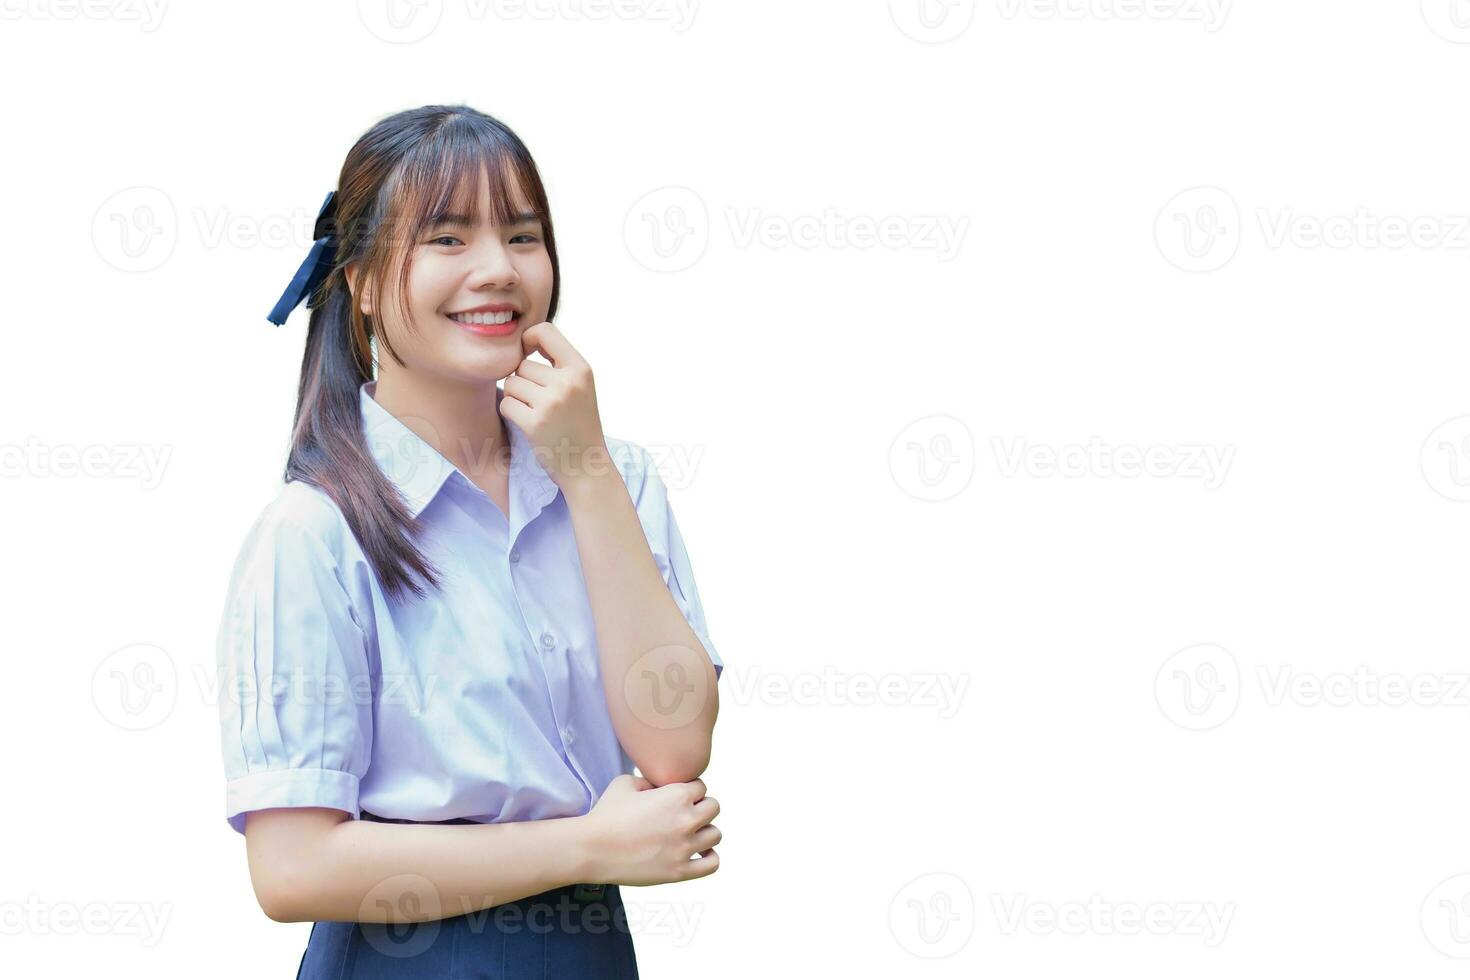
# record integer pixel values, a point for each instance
(640, 634)
(366, 871)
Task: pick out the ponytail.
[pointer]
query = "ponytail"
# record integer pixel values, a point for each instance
(404, 170)
(329, 448)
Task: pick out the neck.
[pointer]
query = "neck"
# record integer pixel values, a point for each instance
(461, 421)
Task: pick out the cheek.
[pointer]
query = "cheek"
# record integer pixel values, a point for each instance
(538, 271)
(431, 284)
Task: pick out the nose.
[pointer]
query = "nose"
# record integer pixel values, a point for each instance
(493, 268)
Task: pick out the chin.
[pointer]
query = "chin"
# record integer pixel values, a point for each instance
(460, 370)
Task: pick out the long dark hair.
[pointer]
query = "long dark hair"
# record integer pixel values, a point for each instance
(399, 175)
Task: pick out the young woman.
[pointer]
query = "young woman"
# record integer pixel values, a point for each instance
(468, 613)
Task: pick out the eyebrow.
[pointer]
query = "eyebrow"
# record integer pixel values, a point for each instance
(455, 220)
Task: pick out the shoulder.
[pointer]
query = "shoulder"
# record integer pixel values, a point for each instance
(635, 464)
(629, 457)
(647, 487)
(303, 519)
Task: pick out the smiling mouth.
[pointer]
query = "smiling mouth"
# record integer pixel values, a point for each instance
(485, 319)
(487, 324)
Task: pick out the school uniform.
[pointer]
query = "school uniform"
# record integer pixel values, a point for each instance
(481, 702)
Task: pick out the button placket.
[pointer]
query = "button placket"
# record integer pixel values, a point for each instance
(557, 672)
(557, 678)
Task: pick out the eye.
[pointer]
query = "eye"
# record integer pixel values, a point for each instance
(443, 238)
(530, 237)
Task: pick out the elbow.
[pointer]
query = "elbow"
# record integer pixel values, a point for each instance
(280, 900)
(286, 891)
(274, 908)
(676, 755)
(670, 768)
(277, 913)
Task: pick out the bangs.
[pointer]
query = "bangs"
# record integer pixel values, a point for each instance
(444, 182)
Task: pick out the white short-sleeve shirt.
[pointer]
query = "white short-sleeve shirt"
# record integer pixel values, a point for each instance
(482, 700)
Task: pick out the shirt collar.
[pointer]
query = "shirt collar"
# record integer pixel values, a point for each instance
(418, 470)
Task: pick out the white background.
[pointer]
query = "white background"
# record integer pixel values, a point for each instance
(1208, 722)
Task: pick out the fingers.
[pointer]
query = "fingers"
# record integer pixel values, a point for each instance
(632, 779)
(706, 810)
(535, 371)
(706, 838)
(523, 390)
(707, 863)
(696, 789)
(516, 410)
(546, 338)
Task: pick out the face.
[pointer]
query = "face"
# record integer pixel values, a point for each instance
(458, 268)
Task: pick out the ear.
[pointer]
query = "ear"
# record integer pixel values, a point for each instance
(365, 301)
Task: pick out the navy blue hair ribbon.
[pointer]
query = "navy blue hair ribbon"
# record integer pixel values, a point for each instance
(318, 264)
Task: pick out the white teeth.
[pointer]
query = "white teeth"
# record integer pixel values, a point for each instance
(483, 318)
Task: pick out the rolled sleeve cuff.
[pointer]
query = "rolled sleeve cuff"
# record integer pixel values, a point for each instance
(714, 655)
(287, 788)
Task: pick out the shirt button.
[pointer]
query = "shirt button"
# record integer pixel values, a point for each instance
(567, 735)
(515, 556)
(548, 641)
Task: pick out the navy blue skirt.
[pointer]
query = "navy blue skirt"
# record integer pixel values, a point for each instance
(572, 931)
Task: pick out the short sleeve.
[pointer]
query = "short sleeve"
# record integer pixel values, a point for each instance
(670, 554)
(296, 704)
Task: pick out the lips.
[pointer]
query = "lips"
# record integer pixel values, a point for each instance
(489, 308)
(490, 329)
